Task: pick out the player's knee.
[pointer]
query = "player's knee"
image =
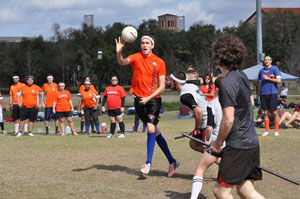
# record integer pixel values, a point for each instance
(218, 193)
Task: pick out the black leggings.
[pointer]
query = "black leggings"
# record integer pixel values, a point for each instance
(88, 112)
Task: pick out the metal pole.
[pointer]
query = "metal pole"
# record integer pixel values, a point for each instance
(259, 55)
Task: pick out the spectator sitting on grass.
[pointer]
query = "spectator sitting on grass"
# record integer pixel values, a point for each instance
(184, 112)
(291, 118)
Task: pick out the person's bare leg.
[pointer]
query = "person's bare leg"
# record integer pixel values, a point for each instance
(285, 116)
(71, 124)
(293, 118)
(62, 125)
(223, 192)
(196, 147)
(247, 191)
(30, 126)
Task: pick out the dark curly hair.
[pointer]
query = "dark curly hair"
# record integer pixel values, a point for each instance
(229, 52)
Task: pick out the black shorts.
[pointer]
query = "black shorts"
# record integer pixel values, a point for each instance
(64, 114)
(149, 112)
(114, 112)
(238, 165)
(269, 102)
(29, 113)
(49, 113)
(16, 112)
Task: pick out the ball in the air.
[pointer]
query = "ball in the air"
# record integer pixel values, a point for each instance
(129, 34)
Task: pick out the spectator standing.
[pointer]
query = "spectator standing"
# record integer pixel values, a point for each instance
(114, 96)
(269, 77)
(208, 88)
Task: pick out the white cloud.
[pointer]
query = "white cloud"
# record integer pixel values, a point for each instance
(57, 4)
(10, 15)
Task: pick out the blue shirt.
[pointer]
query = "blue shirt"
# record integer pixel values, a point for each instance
(268, 87)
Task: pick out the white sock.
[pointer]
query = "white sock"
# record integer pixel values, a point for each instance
(16, 128)
(196, 187)
(26, 127)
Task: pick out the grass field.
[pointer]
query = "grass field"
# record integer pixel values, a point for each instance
(97, 167)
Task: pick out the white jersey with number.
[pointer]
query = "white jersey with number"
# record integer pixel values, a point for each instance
(199, 98)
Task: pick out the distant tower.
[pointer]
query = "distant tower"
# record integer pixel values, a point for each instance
(88, 20)
(171, 22)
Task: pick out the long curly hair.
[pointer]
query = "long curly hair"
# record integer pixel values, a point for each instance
(210, 81)
(229, 52)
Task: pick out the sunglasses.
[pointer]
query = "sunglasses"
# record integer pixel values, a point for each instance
(207, 78)
(114, 80)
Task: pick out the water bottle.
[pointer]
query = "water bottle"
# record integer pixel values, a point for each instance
(68, 130)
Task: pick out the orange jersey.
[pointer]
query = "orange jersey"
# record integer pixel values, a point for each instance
(62, 99)
(30, 95)
(89, 98)
(13, 91)
(114, 96)
(146, 71)
(50, 93)
(81, 89)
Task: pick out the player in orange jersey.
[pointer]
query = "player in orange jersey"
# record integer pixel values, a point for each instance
(50, 89)
(115, 96)
(30, 104)
(63, 107)
(2, 107)
(148, 70)
(13, 102)
(81, 113)
(90, 98)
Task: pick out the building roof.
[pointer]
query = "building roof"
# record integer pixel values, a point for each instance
(282, 10)
(167, 15)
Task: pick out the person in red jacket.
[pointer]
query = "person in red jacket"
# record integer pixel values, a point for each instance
(114, 96)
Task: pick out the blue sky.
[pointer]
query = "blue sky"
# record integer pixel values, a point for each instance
(36, 17)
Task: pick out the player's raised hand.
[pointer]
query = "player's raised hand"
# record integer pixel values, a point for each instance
(120, 43)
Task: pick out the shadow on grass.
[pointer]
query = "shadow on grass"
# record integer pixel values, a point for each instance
(176, 195)
(135, 172)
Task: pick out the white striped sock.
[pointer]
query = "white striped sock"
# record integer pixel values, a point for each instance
(196, 186)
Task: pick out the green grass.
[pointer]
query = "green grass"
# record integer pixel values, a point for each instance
(97, 167)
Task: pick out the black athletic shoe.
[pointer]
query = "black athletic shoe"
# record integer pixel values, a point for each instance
(94, 131)
(47, 133)
(294, 124)
(283, 126)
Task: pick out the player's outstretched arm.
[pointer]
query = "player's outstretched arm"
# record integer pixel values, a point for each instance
(120, 44)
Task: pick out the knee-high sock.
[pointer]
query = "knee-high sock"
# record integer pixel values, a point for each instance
(144, 127)
(150, 146)
(136, 126)
(164, 147)
(112, 128)
(25, 127)
(276, 126)
(98, 128)
(16, 128)
(92, 124)
(267, 124)
(81, 125)
(196, 187)
(2, 126)
(87, 129)
(122, 127)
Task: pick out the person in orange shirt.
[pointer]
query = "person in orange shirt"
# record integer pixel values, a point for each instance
(90, 98)
(208, 88)
(115, 96)
(148, 70)
(13, 102)
(2, 107)
(30, 104)
(81, 113)
(63, 107)
(50, 89)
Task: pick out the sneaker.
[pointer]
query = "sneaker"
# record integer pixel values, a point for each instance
(172, 168)
(146, 169)
(93, 131)
(74, 133)
(121, 136)
(30, 134)
(63, 134)
(98, 133)
(283, 126)
(4, 132)
(57, 133)
(266, 134)
(47, 133)
(294, 124)
(276, 133)
(19, 134)
(86, 134)
(110, 136)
